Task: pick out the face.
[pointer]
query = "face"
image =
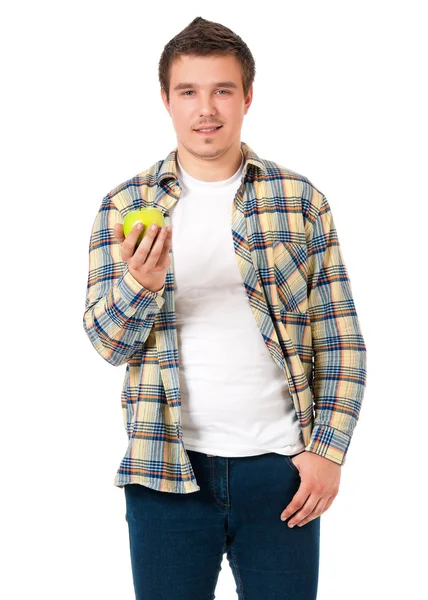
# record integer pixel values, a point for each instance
(201, 98)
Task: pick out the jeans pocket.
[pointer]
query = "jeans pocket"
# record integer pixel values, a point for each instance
(291, 464)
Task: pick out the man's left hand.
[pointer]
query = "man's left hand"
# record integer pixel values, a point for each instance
(320, 478)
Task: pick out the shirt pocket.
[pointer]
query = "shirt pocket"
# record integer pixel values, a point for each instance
(291, 276)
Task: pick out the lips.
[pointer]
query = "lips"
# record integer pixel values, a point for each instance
(208, 133)
(201, 128)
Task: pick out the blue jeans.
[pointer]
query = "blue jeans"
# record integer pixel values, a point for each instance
(177, 541)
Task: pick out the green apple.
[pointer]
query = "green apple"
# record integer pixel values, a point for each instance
(146, 216)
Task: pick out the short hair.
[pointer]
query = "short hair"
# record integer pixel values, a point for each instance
(204, 38)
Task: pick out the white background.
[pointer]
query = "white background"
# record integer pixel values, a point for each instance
(340, 97)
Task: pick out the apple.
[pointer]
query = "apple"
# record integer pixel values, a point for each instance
(146, 216)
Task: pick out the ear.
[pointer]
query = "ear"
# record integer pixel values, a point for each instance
(248, 100)
(165, 101)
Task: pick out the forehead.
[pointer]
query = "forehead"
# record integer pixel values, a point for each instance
(205, 71)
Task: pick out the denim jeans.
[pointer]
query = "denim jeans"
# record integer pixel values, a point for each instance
(177, 541)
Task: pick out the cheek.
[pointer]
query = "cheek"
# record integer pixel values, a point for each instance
(181, 115)
(182, 125)
(236, 113)
(185, 120)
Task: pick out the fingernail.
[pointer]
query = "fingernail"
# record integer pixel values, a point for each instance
(283, 518)
(292, 525)
(153, 227)
(139, 226)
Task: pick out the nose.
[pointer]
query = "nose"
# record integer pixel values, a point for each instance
(206, 105)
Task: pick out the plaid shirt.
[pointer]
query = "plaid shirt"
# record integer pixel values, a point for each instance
(288, 253)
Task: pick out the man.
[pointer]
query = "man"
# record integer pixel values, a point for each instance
(235, 329)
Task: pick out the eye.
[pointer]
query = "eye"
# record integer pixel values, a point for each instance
(191, 92)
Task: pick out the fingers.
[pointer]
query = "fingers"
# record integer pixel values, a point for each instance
(304, 511)
(157, 252)
(318, 510)
(304, 508)
(298, 500)
(128, 243)
(161, 247)
(118, 232)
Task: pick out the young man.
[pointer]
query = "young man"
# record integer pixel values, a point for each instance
(246, 365)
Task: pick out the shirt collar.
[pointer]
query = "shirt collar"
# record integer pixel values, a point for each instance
(168, 168)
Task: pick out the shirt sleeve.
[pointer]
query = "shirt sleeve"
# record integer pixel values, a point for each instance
(339, 351)
(119, 312)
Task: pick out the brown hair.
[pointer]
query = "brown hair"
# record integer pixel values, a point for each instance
(203, 38)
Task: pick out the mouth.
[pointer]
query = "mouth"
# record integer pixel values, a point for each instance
(209, 131)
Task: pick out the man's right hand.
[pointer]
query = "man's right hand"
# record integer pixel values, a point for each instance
(150, 261)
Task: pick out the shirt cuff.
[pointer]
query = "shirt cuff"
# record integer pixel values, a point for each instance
(135, 294)
(329, 442)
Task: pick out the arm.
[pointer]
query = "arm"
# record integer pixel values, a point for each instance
(339, 352)
(119, 311)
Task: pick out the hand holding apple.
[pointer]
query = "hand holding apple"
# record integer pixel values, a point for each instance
(148, 261)
(146, 216)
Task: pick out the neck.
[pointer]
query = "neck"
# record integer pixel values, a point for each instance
(212, 166)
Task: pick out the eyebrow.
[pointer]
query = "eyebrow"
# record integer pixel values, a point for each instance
(227, 84)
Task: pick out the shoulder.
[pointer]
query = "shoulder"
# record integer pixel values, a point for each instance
(135, 188)
(294, 184)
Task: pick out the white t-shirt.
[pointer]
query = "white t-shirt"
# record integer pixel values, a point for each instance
(235, 400)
